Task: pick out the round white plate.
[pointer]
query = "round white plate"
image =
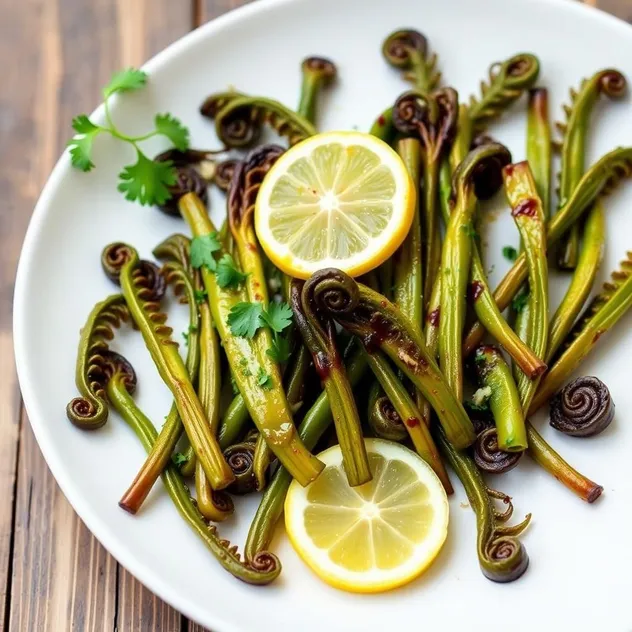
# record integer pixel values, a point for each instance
(581, 559)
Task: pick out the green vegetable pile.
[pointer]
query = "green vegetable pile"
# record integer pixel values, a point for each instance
(275, 367)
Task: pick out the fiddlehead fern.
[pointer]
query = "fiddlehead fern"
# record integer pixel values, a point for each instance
(582, 408)
(238, 123)
(90, 410)
(489, 457)
(407, 50)
(262, 570)
(507, 81)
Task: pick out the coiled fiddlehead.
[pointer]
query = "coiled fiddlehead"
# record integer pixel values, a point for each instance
(431, 117)
(612, 84)
(176, 248)
(90, 410)
(239, 122)
(317, 73)
(502, 557)
(224, 173)
(407, 50)
(507, 81)
(489, 457)
(582, 408)
(379, 325)
(114, 256)
(212, 105)
(164, 352)
(383, 418)
(240, 458)
(263, 571)
(319, 336)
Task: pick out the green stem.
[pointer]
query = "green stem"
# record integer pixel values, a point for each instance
(417, 429)
(600, 179)
(269, 566)
(504, 402)
(268, 407)
(528, 214)
(316, 421)
(539, 145)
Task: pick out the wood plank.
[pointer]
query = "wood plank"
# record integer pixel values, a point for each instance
(209, 9)
(60, 573)
(621, 8)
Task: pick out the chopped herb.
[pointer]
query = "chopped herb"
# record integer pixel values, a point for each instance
(510, 253)
(481, 396)
(476, 408)
(200, 296)
(179, 459)
(280, 350)
(278, 316)
(202, 249)
(263, 379)
(227, 274)
(470, 231)
(245, 319)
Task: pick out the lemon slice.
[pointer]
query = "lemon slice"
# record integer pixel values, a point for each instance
(374, 537)
(339, 199)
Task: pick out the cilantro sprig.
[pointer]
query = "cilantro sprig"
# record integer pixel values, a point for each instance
(145, 181)
(245, 319)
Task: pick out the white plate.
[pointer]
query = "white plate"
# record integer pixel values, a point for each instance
(581, 557)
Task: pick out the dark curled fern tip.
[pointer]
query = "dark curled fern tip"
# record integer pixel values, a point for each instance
(321, 68)
(215, 102)
(115, 363)
(582, 408)
(491, 180)
(507, 81)
(432, 118)
(482, 167)
(188, 180)
(114, 256)
(176, 247)
(247, 177)
(240, 458)
(332, 291)
(238, 123)
(399, 45)
(90, 410)
(224, 173)
(488, 455)
(383, 418)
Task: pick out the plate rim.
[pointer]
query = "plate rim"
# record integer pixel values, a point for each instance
(37, 417)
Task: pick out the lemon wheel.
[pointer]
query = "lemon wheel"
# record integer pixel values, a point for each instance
(374, 537)
(338, 199)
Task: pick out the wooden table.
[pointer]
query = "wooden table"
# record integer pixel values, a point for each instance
(56, 55)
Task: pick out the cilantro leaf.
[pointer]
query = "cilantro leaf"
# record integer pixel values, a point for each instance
(169, 126)
(510, 253)
(264, 380)
(81, 152)
(178, 458)
(280, 350)
(202, 249)
(245, 318)
(200, 296)
(520, 302)
(81, 143)
(278, 316)
(147, 181)
(125, 81)
(227, 274)
(83, 125)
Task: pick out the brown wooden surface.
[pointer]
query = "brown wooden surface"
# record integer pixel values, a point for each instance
(54, 576)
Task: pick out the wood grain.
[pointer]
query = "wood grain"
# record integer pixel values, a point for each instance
(54, 575)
